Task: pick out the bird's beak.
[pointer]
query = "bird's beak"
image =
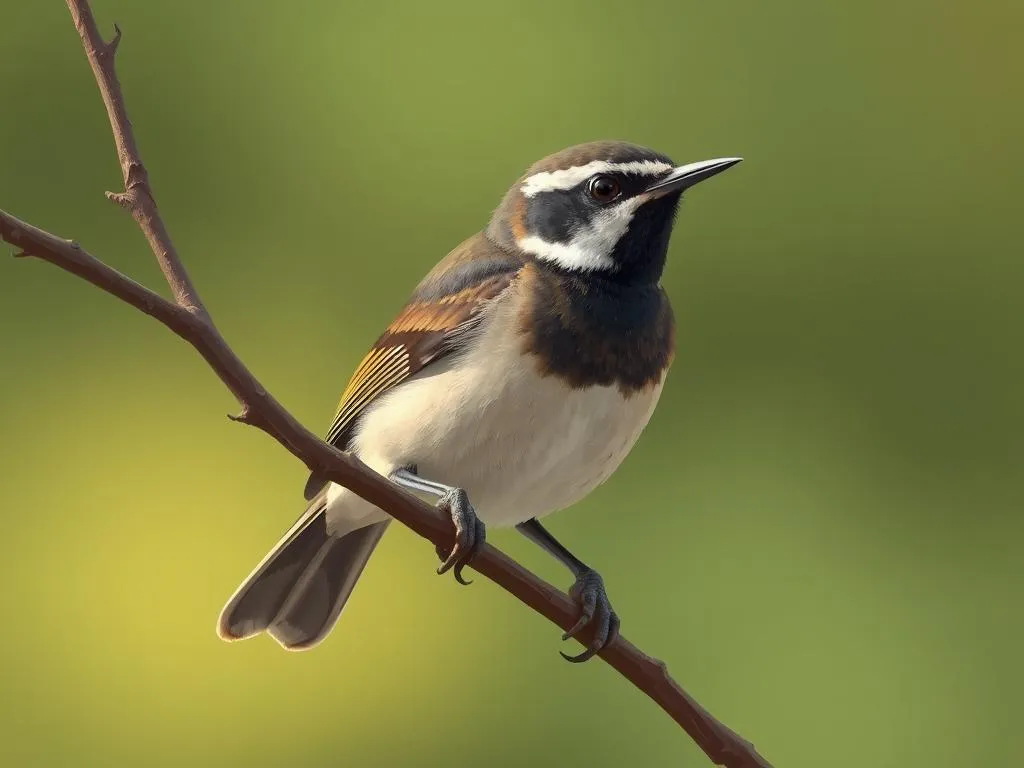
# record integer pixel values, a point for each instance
(686, 176)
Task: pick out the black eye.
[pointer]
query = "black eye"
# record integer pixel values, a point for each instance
(603, 189)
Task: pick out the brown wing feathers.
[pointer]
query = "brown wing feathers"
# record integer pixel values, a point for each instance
(422, 332)
(428, 328)
(382, 368)
(412, 341)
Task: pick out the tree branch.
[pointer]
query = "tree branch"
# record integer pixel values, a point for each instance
(137, 197)
(188, 318)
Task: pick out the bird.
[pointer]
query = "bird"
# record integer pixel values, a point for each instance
(514, 381)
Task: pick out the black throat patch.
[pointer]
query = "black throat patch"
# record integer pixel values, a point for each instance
(592, 331)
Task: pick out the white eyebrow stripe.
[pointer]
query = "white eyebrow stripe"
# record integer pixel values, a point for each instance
(548, 181)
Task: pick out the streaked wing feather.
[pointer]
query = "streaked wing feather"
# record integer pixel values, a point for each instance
(378, 370)
(423, 332)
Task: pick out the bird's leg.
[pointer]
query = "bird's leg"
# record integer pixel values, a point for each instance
(470, 532)
(588, 591)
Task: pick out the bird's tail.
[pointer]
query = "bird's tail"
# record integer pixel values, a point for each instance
(297, 592)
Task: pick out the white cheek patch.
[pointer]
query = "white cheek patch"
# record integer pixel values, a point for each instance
(567, 178)
(590, 248)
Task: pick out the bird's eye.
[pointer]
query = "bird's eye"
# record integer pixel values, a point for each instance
(603, 189)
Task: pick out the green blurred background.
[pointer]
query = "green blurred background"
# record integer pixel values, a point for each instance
(821, 529)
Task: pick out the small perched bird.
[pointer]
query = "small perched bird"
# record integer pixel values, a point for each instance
(515, 381)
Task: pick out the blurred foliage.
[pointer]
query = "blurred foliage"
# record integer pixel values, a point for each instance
(821, 529)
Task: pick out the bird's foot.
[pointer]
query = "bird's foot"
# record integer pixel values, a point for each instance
(595, 609)
(470, 533)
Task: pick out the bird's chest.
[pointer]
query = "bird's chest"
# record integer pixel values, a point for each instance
(541, 446)
(520, 439)
(521, 444)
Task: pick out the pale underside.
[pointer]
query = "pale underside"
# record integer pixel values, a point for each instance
(522, 445)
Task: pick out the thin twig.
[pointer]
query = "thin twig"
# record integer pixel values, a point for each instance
(188, 318)
(137, 197)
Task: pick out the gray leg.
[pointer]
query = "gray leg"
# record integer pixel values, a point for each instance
(470, 533)
(588, 591)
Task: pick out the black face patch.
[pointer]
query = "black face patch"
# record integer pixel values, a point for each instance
(553, 216)
(556, 215)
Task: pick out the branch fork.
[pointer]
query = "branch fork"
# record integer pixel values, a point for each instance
(187, 317)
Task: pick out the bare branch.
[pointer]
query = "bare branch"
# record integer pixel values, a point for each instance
(188, 318)
(137, 197)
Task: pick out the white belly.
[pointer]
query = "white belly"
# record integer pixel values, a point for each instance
(522, 445)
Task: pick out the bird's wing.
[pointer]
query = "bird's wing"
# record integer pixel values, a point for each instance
(438, 320)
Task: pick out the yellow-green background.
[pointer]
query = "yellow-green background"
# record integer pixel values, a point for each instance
(820, 531)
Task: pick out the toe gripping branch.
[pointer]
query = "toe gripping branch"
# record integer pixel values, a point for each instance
(587, 591)
(470, 532)
(595, 610)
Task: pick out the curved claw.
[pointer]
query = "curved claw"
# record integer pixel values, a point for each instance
(479, 537)
(588, 604)
(470, 534)
(580, 624)
(450, 561)
(585, 656)
(590, 593)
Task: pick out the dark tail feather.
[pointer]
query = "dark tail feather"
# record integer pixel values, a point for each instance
(315, 602)
(298, 590)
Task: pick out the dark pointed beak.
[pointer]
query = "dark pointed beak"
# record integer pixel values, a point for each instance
(686, 176)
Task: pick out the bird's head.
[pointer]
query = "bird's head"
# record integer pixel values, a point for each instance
(606, 207)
